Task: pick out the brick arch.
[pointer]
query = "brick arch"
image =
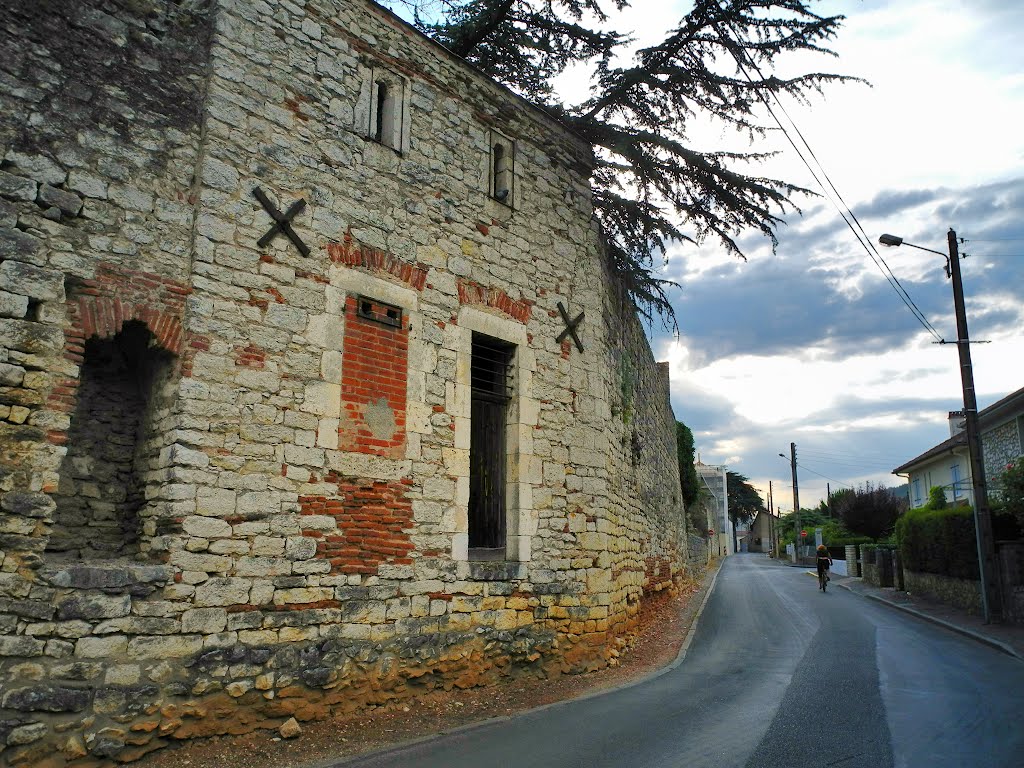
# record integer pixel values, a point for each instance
(100, 306)
(354, 254)
(105, 316)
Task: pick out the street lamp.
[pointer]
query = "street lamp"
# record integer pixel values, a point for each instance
(982, 513)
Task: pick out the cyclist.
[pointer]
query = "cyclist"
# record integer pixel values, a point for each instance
(824, 563)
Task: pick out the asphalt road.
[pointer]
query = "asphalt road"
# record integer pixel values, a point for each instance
(778, 675)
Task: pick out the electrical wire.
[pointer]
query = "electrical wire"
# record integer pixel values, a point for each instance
(858, 230)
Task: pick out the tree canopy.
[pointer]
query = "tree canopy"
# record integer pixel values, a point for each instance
(744, 500)
(652, 185)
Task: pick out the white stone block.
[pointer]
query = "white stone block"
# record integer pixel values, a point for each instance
(331, 365)
(206, 527)
(323, 399)
(327, 434)
(325, 331)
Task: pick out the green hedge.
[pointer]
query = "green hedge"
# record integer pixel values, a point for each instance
(939, 541)
(850, 540)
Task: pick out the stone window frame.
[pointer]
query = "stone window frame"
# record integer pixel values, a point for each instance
(504, 177)
(394, 110)
(523, 413)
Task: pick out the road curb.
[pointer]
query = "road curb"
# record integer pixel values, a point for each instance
(966, 632)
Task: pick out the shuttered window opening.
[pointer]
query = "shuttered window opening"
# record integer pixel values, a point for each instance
(491, 391)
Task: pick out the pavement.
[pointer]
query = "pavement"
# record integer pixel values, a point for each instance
(1008, 638)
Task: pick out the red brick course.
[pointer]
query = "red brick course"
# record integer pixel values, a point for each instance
(355, 254)
(474, 293)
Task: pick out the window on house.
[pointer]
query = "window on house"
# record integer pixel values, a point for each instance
(917, 492)
(502, 152)
(954, 473)
(491, 392)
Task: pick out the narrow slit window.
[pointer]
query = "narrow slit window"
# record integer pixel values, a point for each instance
(501, 170)
(386, 105)
(381, 111)
(491, 392)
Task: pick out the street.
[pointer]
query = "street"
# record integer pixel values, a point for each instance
(778, 674)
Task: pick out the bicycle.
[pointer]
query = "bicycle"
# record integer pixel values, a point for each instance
(823, 580)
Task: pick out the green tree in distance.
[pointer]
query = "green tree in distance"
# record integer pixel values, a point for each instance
(744, 500)
(653, 184)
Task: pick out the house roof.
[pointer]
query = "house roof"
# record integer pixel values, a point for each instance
(947, 446)
(987, 417)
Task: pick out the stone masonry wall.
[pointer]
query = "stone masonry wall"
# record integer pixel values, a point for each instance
(299, 469)
(1001, 446)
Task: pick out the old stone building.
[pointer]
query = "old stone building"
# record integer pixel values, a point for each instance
(315, 389)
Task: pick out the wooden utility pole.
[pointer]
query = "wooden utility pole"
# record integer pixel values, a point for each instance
(796, 497)
(982, 514)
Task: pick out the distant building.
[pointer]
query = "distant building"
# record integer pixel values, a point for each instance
(715, 485)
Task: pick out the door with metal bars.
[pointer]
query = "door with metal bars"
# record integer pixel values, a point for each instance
(491, 392)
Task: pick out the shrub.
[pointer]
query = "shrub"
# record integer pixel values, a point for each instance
(937, 498)
(940, 541)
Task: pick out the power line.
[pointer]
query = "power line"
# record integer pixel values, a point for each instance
(830, 479)
(857, 231)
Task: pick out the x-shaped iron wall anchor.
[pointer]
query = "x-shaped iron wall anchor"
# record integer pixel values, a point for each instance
(570, 327)
(282, 221)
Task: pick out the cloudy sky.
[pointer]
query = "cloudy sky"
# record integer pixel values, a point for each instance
(810, 344)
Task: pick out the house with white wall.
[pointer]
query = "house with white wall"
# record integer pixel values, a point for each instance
(948, 464)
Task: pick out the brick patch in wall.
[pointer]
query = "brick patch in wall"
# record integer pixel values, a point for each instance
(196, 343)
(250, 356)
(474, 293)
(375, 523)
(375, 361)
(353, 254)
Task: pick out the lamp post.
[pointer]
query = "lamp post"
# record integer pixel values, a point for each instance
(982, 514)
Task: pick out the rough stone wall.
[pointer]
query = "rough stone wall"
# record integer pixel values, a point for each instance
(298, 471)
(961, 593)
(99, 125)
(1001, 446)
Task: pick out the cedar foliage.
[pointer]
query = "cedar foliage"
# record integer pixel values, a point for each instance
(652, 186)
(744, 500)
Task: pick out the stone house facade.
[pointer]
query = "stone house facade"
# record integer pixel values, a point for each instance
(315, 389)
